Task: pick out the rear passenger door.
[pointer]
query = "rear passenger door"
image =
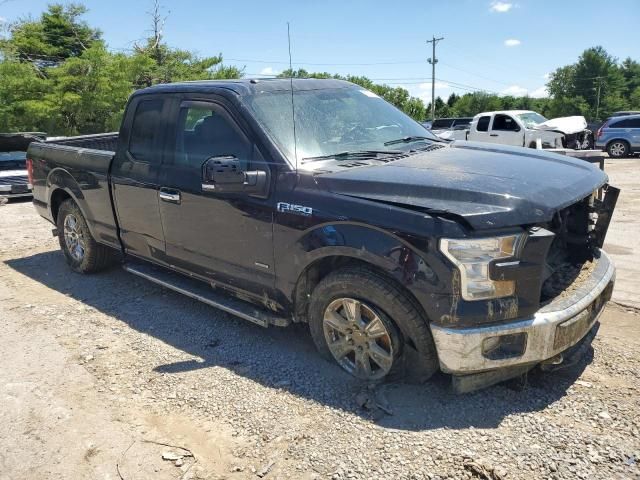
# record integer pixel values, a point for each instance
(134, 176)
(480, 131)
(506, 131)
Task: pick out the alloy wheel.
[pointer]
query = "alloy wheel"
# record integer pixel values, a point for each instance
(73, 238)
(618, 149)
(358, 338)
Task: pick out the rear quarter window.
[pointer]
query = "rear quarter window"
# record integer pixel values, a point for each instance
(145, 129)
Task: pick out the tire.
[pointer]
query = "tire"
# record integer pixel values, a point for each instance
(618, 149)
(407, 340)
(84, 255)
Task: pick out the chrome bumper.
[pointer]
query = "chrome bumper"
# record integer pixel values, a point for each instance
(460, 350)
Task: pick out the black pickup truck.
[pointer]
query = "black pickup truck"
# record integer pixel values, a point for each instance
(403, 253)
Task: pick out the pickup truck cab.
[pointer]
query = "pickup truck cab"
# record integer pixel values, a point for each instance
(316, 201)
(525, 128)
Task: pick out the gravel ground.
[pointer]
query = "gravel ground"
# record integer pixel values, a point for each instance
(94, 367)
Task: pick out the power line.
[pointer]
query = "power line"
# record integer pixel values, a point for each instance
(302, 63)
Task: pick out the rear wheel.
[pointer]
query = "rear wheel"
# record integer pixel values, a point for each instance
(618, 149)
(82, 252)
(371, 327)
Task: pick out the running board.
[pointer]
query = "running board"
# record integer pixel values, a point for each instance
(201, 291)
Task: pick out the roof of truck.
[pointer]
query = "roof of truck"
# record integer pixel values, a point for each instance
(248, 86)
(513, 112)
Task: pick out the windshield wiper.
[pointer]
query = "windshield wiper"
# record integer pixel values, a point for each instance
(411, 138)
(350, 155)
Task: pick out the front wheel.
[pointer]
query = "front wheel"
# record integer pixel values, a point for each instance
(371, 327)
(82, 252)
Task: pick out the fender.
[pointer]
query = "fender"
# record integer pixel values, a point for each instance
(97, 212)
(423, 273)
(60, 179)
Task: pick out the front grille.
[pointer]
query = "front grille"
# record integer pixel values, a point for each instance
(570, 259)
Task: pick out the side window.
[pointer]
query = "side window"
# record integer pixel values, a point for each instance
(145, 129)
(483, 124)
(206, 130)
(505, 123)
(627, 123)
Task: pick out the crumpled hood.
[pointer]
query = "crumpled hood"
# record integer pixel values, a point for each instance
(566, 125)
(490, 186)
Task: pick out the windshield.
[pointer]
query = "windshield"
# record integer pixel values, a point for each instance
(11, 160)
(531, 119)
(332, 121)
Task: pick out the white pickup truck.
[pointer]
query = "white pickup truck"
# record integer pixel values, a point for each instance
(526, 128)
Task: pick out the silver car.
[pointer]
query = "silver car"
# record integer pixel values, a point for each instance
(620, 136)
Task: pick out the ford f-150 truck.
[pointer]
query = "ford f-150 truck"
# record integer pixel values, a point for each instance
(316, 201)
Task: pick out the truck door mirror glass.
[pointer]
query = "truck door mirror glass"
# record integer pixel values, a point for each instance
(228, 174)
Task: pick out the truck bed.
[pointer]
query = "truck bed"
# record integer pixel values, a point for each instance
(107, 142)
(77, 162)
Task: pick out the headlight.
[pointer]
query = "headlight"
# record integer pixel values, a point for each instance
(472, 257)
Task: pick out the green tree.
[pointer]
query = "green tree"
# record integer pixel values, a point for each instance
(89, 92)
(22, 90)
(56, 74)
(57, 35)
(594, 86)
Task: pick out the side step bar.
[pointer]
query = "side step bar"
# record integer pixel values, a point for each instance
(201, 291)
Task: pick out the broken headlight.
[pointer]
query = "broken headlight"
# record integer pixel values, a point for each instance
(472, 256)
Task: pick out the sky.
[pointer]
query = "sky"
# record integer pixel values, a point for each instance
(506, 47)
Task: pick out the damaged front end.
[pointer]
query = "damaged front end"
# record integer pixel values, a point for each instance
(579, 232)
(563, 280)
(572, 132)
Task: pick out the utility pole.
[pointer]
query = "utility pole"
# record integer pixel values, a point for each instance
(433, 60)
(598, 98)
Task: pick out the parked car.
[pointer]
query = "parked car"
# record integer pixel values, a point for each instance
(526, 128)
(13, 166)
(620, 136)
(451, 128)
(403, 253)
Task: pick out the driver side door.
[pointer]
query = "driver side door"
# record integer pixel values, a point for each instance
(224, 238)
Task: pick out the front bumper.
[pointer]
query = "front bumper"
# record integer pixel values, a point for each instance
(15, 190)
(553, 329)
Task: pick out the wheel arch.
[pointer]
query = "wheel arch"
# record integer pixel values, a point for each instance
(318, 269)
(62, 186)
(618, 139)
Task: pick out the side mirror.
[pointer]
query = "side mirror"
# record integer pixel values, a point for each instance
(225, 174)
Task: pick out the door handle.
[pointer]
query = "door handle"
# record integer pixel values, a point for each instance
(171, 196)
(493, 134)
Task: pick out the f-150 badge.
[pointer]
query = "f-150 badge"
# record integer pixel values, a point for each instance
(295, 209)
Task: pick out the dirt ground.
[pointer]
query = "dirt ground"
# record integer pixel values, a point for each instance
(110, 377)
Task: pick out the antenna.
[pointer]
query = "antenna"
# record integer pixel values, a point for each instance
(293, 108)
